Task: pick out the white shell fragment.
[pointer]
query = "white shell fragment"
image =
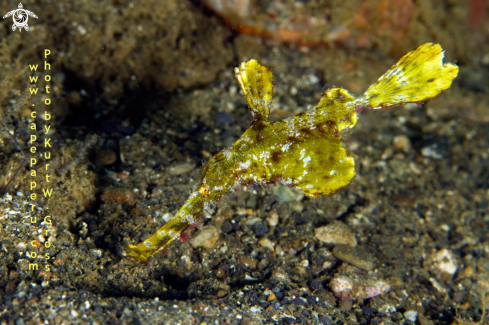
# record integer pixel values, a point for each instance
(411, 315)
(445, 261)
(336, 233)
(354, 288)
(205, 237)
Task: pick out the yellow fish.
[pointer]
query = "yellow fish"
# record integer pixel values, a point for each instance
(304, 151)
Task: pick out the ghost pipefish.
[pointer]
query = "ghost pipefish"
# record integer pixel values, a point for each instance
(305, 151)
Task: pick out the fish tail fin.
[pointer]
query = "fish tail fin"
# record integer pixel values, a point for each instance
(416, 77)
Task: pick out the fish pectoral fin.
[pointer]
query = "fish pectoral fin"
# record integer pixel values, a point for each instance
(317, 165)
(256, 83)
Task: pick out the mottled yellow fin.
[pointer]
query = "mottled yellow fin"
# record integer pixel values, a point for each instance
(337, 105)
(315, 161)
(418, 76)
(256, 82)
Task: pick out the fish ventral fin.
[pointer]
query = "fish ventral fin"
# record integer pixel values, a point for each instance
(416, 77)
(256, 83)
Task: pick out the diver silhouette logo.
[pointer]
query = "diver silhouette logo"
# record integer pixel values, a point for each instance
(20, 17)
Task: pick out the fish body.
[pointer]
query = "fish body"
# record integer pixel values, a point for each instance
(305, 151)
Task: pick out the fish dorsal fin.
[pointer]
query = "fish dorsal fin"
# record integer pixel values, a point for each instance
(336, 105)
(256, 83)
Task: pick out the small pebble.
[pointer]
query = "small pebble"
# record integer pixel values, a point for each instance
(424, 321)
(387, 308)
(401, 142)
(358, 288)
(285, 194)
(205, 237)
(315, 284)
(345, 305)
(335, 233)
(206, 154)
(105, 157)
(437, 285)
(96, 253)
(229, 141)
(223, 118)
(311, 300)
(280, 275)
(485, 59)
(354, 256)
(324, 320)
(445, 262)
(181, 168)
(248, 262)
(300, 301)
(117, 195)
(468, 271)
(414, 168)
(297, 207)
(254, 220)
(260, 229)
(285, 301)
(272, 219)
(293, 90)
(226, 227)
(368, 310)
(430, 152)
(388, 152)
(220, 273)
(229, 226)
(262, 265)
(288, 319)
(265, 242)
(21, 246)
(411, 315)
(221, 293)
